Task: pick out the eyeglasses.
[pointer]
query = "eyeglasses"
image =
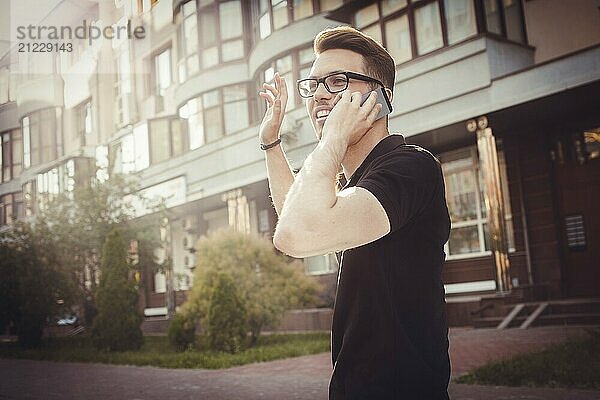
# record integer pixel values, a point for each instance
(334, 83)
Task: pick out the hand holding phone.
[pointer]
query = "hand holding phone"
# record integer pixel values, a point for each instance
(383, 99)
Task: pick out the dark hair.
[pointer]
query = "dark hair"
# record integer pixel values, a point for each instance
(377, 62)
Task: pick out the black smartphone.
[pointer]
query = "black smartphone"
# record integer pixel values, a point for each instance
(381, 98)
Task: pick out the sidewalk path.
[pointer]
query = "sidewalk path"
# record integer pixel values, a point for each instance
(303, 378)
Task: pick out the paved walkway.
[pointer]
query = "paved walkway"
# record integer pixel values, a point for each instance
(303, 378)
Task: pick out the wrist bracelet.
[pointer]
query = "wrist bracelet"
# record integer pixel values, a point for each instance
(268, 146)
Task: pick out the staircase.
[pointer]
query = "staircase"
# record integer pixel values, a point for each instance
(502, 314)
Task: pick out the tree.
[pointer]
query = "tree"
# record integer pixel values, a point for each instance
(182, 331)
(266, 282)
(227, 325)
(117, 327)
(32, 282)
(77, 224)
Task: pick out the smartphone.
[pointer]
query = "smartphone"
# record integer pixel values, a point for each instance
(381, 98)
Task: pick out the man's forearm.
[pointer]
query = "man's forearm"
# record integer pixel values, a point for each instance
(313, 190)
(280, 176)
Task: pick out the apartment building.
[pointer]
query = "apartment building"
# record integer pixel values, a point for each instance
(504, 92)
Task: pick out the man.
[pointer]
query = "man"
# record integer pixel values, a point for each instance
(389, 333)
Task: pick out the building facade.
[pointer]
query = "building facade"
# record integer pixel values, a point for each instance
(179, 105)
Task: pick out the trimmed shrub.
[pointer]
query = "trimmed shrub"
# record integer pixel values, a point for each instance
(117, 327)
(227, 326)
(182, 332)
(266, 281)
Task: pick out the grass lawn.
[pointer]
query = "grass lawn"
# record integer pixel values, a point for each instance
(573, 364)
(157, 352)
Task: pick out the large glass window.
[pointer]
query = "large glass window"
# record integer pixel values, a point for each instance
(291, 67)
(235, 108)
(188, 39)
(214, 32)
(167, 139)
(414, 28)
(216, 113)
(460, 19)
(400, 47)
(275, 14)
(513, 18)
(4, 85)
(11, 207)
(42, 137)
(130, 153)
(162, 72)
(505, 17)
(123, 86)
(54, 181)
(465, 199)
(492, 16)
(83, 115)
(428, 27)
(11, 155)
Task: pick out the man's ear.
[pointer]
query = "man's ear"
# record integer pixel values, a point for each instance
(389, 93)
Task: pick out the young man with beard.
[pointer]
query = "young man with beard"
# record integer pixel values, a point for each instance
(389, 332)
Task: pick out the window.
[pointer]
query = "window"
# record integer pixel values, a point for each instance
(514, 20)
(505, 17)
(410, 29)
(6, 88)
(291, 67)
(11, 155)
(460, 19)
(327, 5)
(428, 27)
(399, 48)
(145, 5)
(231, 26)
(235, 108)
(167, 139)
(42, 138)
(464, 195)
(216, 113)
(123, 87)
(321, 264)
(275, 14)
(84, 121)
(220, 37)
(161, 73)
(188, 38)
(59, 179)
(130, 153)
(11, 207)
(56, 180)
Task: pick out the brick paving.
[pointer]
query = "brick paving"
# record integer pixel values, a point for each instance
(303, 378)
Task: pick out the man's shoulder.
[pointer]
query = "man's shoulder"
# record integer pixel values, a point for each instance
(402, 153)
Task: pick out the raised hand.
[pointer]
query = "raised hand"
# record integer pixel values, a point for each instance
(276, 98)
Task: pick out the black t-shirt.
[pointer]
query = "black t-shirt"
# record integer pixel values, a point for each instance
(389, 333)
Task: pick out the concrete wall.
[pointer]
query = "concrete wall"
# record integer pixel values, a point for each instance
(558, 27)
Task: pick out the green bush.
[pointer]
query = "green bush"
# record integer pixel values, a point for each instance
(265, 280)
(31, 282)
(117, 327)
(227, 325)
(182, 332)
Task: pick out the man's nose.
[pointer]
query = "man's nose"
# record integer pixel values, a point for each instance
(322, 93)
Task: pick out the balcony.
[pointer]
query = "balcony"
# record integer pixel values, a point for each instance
(36, 94)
